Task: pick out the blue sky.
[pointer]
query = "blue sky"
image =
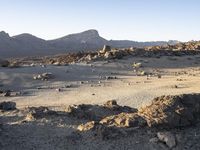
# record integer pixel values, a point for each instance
(141, 20)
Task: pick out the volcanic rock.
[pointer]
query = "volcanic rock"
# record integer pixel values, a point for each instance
(7, 106)
(34, 113)
(172, 111)
(4, 63)
(124, 120)
(97, 112)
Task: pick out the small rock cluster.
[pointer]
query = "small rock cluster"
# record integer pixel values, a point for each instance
(44, 76)
(105, 54)
(108, 53)
(10, 64)
(8, 93)
(187, 46)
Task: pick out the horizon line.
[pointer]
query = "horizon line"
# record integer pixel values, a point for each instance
(50, 39)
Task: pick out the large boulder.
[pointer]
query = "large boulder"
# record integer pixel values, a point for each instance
(168, 138)
(7, 106)
(4, 63)
(105, 49)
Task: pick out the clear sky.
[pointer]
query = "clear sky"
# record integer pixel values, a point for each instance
(142, 20)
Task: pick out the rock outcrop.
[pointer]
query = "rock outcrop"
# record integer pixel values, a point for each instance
(172, 111)
(97, 112)
(165, 112)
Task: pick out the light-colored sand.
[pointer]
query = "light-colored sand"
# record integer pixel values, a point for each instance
(127, 89)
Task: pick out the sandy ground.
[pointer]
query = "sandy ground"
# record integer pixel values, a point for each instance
(88, 84)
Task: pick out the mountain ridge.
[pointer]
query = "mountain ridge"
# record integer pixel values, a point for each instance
(26, 44)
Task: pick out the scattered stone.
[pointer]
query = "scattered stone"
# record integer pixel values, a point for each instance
(7, 106)
(44, 76)
(111, 104)
(14, 65)
(159, 76)
(58, 90)
(9, 93)
(81, 82)
(29, 117)
(6, 93)
(4, 63)
(180, 79)
(137, 65)
(87, 126)
(57, 64)
(69, 86)
(32, 65)
(43, 66)
(175, 86)
(168, 138)
(154, 140)
(110, 78)
(141, 73)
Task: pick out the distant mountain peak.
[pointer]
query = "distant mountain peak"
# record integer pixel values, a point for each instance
(3, 34)
(29, 45)
(27, 36)
(24, 35)
(91, 32)
(88, 33)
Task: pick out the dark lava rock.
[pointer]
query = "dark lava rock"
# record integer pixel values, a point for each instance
(7, 106)
(4, 63)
